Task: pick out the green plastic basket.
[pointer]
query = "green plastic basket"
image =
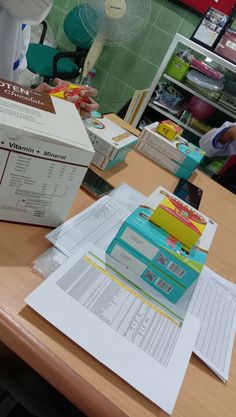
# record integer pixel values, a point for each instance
(177, 68)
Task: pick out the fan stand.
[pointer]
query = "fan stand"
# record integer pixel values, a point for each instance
(93, 55)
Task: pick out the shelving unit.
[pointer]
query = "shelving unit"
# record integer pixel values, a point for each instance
(197, 94)
(175, 119)
(180, 43)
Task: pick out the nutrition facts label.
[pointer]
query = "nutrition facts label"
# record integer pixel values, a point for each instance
(36, 183)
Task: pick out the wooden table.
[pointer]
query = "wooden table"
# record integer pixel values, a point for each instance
(76, 374)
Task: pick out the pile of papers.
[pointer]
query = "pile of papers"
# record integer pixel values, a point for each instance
(145, 338)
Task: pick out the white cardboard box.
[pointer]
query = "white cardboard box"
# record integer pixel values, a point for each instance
(163, 160)
(109, 139)
(179, 150)
(44, 154)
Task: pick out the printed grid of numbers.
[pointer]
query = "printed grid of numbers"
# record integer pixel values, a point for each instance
(124, 312)
(107, 218)
(213, 338)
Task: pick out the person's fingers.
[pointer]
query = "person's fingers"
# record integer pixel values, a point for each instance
(85, 114)
(43, 88)
(58, 81)
(88, 92)
(73, 99)
(89, 106)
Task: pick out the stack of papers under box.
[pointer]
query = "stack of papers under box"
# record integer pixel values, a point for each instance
(178, 156)
(111, 142)
(157, 257)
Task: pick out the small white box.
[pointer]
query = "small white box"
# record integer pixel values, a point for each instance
(44, 154)
(104, 163)
(109, 139)
(163, 160)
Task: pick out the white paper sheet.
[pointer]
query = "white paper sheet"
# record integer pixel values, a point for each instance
(141, 339)
(98, 224)
(128, 197)
(88, 227)
(213, 301)
(212, 290)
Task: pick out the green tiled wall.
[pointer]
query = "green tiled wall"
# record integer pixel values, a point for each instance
(123, 69)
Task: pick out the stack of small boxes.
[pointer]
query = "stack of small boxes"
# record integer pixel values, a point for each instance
(162, 143)
(165, 242)
(111, 142)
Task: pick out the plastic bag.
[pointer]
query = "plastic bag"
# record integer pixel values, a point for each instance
(29, 78)
(203, 81)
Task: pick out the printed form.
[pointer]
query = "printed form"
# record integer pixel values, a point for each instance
(113, 315)
(98, 224)
(212, 299)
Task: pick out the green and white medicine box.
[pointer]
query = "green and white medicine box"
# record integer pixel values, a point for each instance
(163, 160)
(180, 150)
(109, 139)
(155, 248)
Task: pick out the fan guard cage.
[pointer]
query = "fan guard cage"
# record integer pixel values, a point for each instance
(124, 30)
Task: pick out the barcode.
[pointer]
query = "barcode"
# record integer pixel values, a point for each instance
(150, 276)
(161, 259)
(176, 269)
(167, 288)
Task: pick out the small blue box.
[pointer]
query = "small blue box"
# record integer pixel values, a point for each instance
(155, 247)
(145, 270)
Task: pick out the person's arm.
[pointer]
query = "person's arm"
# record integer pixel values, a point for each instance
(220, 141)
(27, 11)
(228, 135)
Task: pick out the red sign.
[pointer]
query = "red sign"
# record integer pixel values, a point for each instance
(202, 6)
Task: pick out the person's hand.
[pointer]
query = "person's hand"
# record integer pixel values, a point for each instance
(89, 92)
(43, 88)
(92, 105)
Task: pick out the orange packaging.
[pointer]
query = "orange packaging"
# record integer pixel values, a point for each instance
(179, 220)
(64, 91)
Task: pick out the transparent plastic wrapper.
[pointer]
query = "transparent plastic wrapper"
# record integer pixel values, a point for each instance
(48, 262)
(203, 81)
(29, 78)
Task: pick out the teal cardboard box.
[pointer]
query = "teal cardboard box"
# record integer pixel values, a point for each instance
(161, 250)
(164, 161)
(179, 150)
(168, 287)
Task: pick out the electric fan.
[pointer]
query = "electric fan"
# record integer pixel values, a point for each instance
(112, 22)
